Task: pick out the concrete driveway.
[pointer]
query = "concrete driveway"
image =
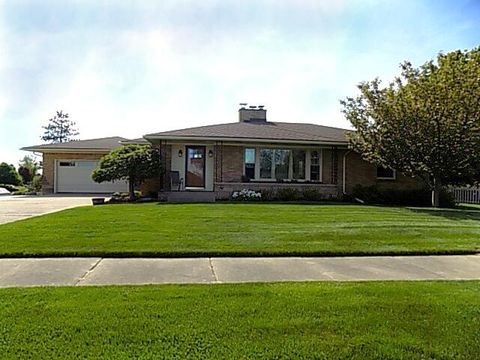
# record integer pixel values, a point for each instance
(13, 208)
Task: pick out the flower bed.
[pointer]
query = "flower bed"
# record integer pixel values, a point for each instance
(246, 195)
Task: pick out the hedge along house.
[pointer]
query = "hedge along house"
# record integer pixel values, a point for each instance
(211, 162)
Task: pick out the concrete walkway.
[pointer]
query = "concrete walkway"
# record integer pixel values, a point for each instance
(98, 271)
(18, 207)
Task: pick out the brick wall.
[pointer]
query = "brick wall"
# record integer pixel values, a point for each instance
(360, 172)
(326, 166)
(229, 163)
(49, 166)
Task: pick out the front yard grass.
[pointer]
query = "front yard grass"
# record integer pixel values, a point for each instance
(379, 320)
(242, 229)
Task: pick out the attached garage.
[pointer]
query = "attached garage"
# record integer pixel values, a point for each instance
(75, 176)
(68, 166)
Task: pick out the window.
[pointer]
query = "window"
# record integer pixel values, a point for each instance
(277, 164)
(385, 173)
(250, 163)
(195, 153)
(315, 166)
(282, 163)
(66, 163)
(86, 164)
(266, 163)
(274, 164)
(298, 157)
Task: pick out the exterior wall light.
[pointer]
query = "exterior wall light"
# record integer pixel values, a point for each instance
(180, 153)
(210, 153)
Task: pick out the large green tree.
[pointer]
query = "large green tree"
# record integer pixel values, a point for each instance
(9, 175)
(59, 129)
(133, 163)
(426, 123)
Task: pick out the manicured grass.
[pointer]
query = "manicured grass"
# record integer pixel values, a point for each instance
(389, 320)
(242, 229)
(469, 206)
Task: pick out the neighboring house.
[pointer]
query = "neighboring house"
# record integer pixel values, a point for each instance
(213, 161)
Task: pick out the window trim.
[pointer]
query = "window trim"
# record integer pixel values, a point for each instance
(392, 178)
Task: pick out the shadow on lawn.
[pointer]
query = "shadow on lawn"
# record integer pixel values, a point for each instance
(451, 214)
(273, 202)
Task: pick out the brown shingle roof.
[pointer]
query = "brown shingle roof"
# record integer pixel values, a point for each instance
(259, 130)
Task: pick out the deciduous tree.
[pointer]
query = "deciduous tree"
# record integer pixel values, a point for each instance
(133, 163)
(9, 175)
(426, 123)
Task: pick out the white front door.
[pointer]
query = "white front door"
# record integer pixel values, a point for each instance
(75, 176)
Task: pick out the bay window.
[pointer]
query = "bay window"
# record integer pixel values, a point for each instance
(282, 164)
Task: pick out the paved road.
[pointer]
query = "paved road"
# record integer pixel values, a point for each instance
(13, 208)
(98, 271)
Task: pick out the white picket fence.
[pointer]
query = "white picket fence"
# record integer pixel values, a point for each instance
(468, 195)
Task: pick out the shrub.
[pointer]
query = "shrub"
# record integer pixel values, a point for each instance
(37, 183)
(26, 174)
(268, 194)
(152, 194)
(310, 194)
(23, 190)
(123, 197)
(413, 197)
(288, 194)
(246, 195)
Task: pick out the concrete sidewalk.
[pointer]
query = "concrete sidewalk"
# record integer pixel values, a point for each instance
(98, 271)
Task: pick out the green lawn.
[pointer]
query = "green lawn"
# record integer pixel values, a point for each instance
(242, 229)
(380, 320)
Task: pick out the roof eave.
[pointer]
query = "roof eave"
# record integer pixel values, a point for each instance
(250, 140)
(60, 150)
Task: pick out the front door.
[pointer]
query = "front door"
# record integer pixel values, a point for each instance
(195, 167)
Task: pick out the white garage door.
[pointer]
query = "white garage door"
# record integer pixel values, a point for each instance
(75, 176)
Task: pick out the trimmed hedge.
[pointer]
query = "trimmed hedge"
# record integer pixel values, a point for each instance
(414, 197)
(293, 194)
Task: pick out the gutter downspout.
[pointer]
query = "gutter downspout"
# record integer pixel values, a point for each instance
(344, 174)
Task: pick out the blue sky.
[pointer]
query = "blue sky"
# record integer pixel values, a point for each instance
(132, 67)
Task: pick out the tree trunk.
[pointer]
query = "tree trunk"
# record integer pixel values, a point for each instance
(131, 190)
(437, 186)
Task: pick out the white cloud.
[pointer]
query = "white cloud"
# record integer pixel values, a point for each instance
(128, 68)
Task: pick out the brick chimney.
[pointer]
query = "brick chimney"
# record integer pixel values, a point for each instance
(252, 113)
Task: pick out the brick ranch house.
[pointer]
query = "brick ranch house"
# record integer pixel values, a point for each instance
(211, 162)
